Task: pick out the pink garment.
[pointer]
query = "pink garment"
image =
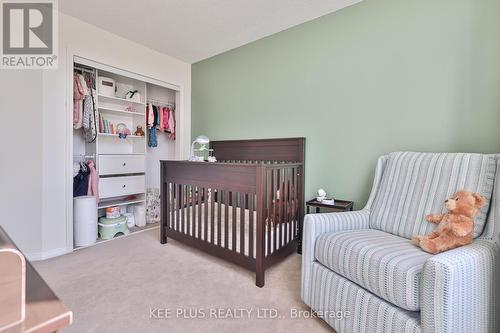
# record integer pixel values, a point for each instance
(171, 125)
(78, 96)
(160, 115)
(150, 116)
(165, 111)
(93, 180)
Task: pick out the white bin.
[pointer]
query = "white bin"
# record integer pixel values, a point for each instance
(140, 215)
(84, 220)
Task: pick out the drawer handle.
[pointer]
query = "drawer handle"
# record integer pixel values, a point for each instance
(124, 164)
(123, 186)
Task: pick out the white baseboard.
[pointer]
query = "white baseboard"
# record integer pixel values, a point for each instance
(43, 255)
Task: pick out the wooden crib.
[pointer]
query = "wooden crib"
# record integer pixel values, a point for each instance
(247, 208)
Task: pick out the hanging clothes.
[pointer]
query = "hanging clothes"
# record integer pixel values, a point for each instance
(87, 111)
(155, 116)
(171, 125)
(81, 183)
(93, 183)
(152, 139)
(78, 96)
(149, 115)
(160, 123)
(165, 112)
(90, 113)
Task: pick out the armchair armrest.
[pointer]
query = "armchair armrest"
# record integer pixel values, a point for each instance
(317, 224)
(461, 289)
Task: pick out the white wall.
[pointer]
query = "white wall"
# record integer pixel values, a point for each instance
(34, 205)
(21, 157)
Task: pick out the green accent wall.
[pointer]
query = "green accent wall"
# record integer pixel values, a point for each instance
(376, 77)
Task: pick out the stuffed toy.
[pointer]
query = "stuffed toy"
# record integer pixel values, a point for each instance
(139, 131)
(454, 228)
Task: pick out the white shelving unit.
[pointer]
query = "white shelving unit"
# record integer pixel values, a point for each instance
(104, 110)
(126, 165)
(114, 99)
(128, 136)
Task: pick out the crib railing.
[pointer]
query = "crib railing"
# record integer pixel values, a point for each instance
(246, 213)
(282, 205)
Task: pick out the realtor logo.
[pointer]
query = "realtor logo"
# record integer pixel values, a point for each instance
(29, 34)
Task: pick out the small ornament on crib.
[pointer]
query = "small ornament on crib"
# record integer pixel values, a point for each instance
(321, 195)
(139, 131)
(211, 158)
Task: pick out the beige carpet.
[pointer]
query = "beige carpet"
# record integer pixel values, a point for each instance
(135, 284)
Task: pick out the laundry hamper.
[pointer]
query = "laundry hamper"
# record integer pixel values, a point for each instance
(85, 220)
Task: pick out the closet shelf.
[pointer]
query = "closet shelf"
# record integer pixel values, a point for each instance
(112, 110)
(112, 99)
(119, 202)
(133, 230)
(116, 135)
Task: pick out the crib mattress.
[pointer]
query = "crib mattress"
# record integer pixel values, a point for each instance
(191, 227)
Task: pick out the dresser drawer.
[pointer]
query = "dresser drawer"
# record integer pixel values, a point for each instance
(120, 186)
(121, 164)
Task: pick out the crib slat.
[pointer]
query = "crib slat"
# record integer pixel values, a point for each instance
(196, 213)
(251, 199)
(219, 217)
(194, 209)
(173, 207)
(286, 205)
(186, 208)
(269, 219)
(181, 207)
(199, 206)
(189, 204)
(226, 218)
(192, 206)
(243, 201)
(275, 207)
(167, 202)
(212, 213)
(294, 203)
(234, 197)
(205, 214)
(177, 206)
(297, 203)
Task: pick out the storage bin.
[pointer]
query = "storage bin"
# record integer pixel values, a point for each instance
(112, 212)
(84, 220)
(107, 86)
(130, 219)
(152, 205)
(140, 215)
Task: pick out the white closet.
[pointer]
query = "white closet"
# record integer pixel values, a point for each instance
(127, 167)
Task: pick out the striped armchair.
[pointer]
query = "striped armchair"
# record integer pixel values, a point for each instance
(361, 273)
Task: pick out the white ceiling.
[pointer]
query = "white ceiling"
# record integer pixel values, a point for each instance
(192, 30)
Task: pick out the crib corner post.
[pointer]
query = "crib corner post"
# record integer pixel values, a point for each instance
(260, 277)
(164, 204)
(260, 246)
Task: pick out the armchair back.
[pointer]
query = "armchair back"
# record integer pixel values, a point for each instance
(413, 184)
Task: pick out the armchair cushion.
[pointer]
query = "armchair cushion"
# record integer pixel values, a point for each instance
(416, 184)
(387, 265)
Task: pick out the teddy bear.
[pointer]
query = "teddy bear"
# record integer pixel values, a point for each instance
(454, 228)
(139, 131)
